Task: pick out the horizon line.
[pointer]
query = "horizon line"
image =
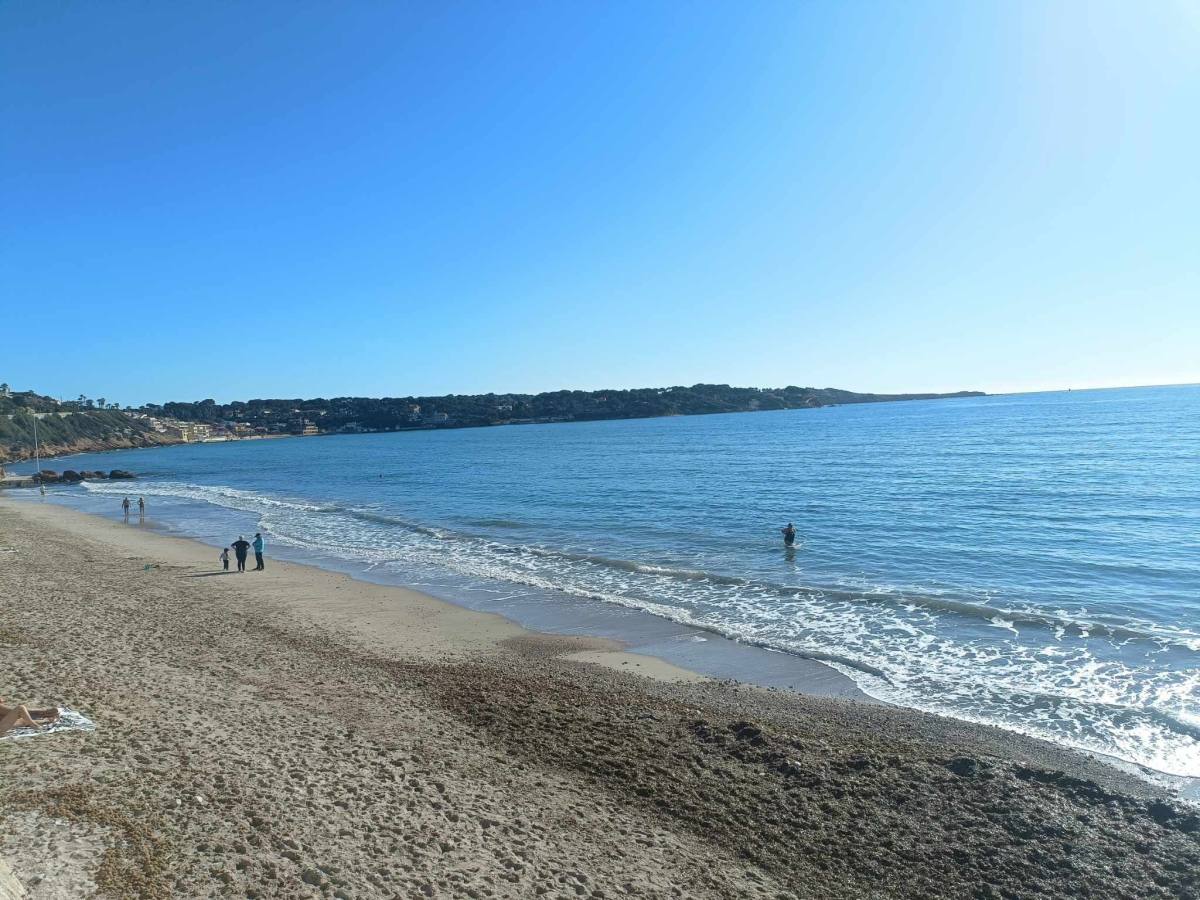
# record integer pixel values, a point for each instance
(990, 393)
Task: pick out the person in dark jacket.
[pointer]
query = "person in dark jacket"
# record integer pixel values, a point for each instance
(789, 535)
(240, 548)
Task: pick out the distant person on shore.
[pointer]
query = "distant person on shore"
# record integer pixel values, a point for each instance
(21, 717)
(125, 508)
(240, 546)
(789, 535)
(141, 507)
(224, 557)
(259, 546)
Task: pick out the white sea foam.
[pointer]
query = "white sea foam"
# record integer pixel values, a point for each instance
(925, 651)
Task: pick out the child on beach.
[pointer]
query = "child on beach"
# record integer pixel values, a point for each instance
(225, 558)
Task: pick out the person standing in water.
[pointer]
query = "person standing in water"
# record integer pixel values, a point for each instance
(240, 546)
(141, 508)
(259, 546)
(125, 508)
(789, 535)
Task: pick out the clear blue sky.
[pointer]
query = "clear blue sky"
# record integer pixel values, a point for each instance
(232, 200)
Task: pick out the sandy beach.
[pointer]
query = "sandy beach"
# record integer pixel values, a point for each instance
(297, 733)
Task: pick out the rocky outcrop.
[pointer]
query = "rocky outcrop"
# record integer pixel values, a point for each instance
(70, 476)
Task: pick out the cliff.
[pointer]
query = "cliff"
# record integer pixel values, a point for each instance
(72, 432)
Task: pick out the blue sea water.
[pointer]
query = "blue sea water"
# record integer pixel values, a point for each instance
(1030, 561)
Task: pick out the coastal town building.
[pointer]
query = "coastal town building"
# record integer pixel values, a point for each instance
(188, 432)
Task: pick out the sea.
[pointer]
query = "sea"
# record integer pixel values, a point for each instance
(1027, 561)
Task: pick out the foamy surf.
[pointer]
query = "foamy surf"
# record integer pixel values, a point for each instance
(923, 650)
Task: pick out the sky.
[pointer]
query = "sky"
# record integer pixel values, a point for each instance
(237, 200)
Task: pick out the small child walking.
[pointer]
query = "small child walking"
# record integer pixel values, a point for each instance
(225, 558)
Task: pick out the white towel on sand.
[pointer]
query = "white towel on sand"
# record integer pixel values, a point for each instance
(68, 720)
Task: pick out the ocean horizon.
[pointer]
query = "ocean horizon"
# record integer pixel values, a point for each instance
(1022, 560)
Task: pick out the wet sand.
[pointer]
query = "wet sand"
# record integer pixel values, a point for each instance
(296, 733)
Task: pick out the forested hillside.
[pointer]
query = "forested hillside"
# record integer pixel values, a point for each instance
(463, 410)
(62, 431)
(83, 424)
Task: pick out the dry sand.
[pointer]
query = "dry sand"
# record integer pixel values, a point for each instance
(296, 733)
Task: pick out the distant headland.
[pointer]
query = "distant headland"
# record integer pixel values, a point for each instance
(84, 424)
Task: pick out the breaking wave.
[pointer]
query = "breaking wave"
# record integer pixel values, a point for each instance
(1125, 688)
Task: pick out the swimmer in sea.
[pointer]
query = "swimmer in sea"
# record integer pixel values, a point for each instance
(789, 535)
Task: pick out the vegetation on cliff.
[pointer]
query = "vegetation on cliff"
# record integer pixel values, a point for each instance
(388, 413)
(64, 429)
(89, 425)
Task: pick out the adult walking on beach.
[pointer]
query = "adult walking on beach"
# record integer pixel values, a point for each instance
(125, 508)
(259, 546)
(240, 546)
(141, 508)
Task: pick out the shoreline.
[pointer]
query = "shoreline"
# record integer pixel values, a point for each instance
(649, 647)
(371, 615)
(434, 426)
(645, 633)
(301, 733)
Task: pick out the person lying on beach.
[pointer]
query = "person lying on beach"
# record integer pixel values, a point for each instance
(22, 717)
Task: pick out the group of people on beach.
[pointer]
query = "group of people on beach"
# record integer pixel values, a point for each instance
(240, 548)
(125, 504)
